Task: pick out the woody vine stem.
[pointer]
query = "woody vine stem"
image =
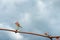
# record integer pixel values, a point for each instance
(50, 37)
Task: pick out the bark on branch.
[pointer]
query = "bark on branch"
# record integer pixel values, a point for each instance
(30, 33)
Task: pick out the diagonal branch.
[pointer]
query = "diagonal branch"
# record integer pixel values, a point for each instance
(29, 33)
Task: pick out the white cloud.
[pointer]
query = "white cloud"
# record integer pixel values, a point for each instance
(12, 1)
(47, 13)
(42, 7)
(26, 18)
(15, 36)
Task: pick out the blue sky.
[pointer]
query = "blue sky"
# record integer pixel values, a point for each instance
(37, 16)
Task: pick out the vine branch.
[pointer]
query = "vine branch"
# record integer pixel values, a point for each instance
(30, 33)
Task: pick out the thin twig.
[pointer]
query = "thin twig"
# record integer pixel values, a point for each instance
(30, 33)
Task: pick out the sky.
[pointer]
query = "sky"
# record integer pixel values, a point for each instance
(38, 16)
